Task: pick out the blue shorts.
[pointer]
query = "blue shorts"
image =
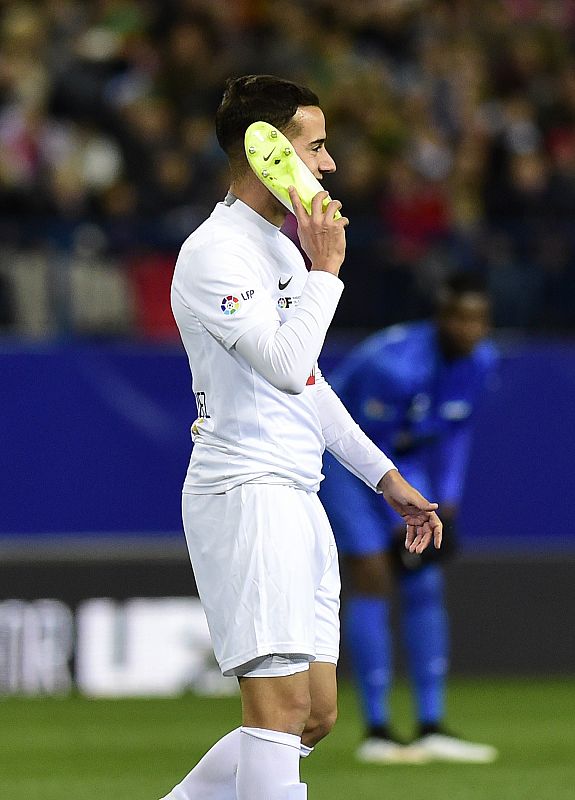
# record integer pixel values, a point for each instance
(362, 521)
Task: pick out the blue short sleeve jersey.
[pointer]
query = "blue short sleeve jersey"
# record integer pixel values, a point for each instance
(417, 407)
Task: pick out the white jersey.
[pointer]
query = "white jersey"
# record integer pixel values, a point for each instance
(253, 321)
(235, 271)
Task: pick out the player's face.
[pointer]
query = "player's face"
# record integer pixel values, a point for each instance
(309, 140)
(464, 322)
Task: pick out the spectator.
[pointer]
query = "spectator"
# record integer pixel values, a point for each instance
(448, 114)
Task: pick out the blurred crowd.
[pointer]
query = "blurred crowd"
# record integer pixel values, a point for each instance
(452, 123)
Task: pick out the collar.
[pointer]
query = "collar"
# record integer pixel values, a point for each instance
(234, 208)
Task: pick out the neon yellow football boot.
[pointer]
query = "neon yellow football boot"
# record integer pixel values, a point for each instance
(274, 160)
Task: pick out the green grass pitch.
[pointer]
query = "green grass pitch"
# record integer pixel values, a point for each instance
(79, 749)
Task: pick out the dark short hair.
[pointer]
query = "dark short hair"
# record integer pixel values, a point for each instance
(458, 284)
(472, 282)
(257, 97)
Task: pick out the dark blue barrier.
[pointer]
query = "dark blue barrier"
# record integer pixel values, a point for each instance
(520, 483)
(94, 438)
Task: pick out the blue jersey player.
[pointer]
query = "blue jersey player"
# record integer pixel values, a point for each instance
(412, 388)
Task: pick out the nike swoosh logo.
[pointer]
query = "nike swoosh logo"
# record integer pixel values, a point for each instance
(269, 155)
(281, 285)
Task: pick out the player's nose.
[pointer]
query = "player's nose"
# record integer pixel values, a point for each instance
(327, 163)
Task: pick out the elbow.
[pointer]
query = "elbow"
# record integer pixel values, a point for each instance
(291, 387)
(294, 389)
(289, 383)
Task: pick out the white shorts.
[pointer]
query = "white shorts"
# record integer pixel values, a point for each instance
(266, 568)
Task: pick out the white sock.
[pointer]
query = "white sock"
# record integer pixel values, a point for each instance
(214, 777)
(268, 768)
(215, 774)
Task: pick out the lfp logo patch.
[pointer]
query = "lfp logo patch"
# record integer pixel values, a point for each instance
(230, 304)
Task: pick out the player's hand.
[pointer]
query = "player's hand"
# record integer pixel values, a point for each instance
(419, 515)
(321, 236)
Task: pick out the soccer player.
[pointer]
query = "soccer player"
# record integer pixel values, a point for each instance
(253, 321)
(413, 389)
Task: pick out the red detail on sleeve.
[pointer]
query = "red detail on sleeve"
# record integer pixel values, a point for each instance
(311, 380)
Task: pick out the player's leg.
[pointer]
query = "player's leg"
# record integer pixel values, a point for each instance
(274, 714)
(269, 706)
(304, 706)
(367, 634)
(369, 640)
(305, 703)
(214, 776)
(323, 704)
(425, 630)
(298, 707)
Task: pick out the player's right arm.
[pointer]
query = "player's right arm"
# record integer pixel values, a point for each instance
(223, 290)
(286, 354)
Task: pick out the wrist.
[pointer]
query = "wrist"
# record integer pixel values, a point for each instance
(332, 268)
(388, 479)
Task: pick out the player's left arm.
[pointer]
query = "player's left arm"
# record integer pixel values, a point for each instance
(451, 457)
(349, 444)
(452, 450)
(343, 437)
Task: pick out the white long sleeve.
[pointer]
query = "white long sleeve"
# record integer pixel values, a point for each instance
(344, 438)
(285, 354)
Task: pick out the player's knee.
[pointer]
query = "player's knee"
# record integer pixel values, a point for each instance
(319, 724)
(370, 575)
(327, 722)
(295, 710)
(275, 705)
